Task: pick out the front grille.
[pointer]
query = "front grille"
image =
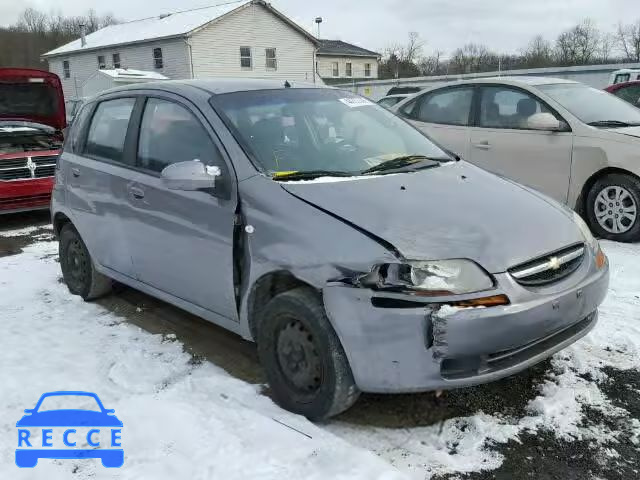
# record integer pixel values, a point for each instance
(550, 268)
(28, 167)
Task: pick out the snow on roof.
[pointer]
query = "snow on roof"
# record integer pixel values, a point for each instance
(130, 74)
(160, 26)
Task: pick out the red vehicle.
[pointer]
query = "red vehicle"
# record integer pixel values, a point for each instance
(32, 117)
(628, 91)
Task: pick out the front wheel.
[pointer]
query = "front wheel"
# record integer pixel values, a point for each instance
(305, 363)
(613, 208)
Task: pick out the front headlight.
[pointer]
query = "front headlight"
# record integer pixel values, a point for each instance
(586, 232)
(430, 278)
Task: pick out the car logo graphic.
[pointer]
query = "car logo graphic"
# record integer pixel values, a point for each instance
(29, 451)
(31, 165)
(554, 263)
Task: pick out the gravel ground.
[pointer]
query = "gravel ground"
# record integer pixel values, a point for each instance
(538, 453)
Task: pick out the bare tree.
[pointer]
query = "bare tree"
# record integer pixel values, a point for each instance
(538, 53)
(32, 21)
(579, 45)
(607, 46)
(628, 37)
(401, 60)
(470, 58)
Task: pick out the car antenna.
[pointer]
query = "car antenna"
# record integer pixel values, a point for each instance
(287, 84)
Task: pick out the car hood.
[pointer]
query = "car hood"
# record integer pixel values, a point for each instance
(452, 211)
(629, 131)
(69, 418)
(33, 96)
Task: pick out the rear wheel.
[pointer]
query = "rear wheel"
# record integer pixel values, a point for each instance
(78, 269)
(613, 207)
(305, 363)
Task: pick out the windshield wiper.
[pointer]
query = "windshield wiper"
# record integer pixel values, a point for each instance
(612, 123)
(309, 175)
(404, 163)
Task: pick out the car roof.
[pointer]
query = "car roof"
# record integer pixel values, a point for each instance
(513, 80)
(618, 86)
(218, 86)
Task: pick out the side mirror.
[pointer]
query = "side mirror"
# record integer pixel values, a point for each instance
(190, 176)
(546, 122)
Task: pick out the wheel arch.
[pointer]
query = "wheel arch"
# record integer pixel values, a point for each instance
(59, 221)
(266, 288)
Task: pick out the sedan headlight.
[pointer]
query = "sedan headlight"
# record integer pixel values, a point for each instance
(586, 232)
(430, 278)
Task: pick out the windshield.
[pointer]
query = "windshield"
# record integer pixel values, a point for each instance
(69, 402)
(591, 105)
(307, 130)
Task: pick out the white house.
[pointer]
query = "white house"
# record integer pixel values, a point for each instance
(249, 40)
(338, 61)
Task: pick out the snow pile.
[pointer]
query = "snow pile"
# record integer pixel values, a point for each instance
(181, 420)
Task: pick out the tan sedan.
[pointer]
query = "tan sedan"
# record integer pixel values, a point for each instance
(579, 145)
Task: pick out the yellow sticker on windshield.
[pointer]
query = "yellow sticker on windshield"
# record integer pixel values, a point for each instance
(284, 174)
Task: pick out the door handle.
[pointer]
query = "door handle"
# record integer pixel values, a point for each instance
(137, 192)
(485, 145)
(75, 172)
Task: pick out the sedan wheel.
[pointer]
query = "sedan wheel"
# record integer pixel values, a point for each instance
(616, 209)
(613, 207)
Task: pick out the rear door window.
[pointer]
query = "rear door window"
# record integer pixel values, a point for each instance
(75, 130)
(449, 107)
(169, 133)
(108, 130)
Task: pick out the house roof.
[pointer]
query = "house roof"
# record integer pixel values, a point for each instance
(129, 74)
(169, 25)
(338, 47)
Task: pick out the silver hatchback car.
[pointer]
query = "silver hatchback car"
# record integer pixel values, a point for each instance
(358, 254)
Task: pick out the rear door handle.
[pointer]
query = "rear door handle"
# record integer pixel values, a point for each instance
(75, 172)
(137, 192)
(485, 145)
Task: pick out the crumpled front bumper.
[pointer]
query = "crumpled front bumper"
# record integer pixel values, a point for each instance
(412, 347)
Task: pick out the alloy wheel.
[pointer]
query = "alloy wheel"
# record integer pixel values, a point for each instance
(616, 210)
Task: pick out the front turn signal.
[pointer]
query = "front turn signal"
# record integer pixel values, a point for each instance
(601, 259)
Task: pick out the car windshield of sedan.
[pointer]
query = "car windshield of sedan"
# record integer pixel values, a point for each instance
(69, 402)
(312, 130)
(593, 106)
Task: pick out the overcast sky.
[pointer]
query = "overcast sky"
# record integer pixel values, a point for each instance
(503, 25)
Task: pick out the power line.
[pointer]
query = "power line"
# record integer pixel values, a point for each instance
(184, 11)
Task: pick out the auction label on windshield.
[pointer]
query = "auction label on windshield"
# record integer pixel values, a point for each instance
(355, 102)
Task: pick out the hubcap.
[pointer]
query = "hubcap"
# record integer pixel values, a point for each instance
(298, 357)
(616, 209)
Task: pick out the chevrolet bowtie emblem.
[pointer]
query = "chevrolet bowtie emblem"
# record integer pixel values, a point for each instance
(554, 263)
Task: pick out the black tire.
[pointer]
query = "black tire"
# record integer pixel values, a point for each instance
(630, 184)
(305, 364)
(78, 269)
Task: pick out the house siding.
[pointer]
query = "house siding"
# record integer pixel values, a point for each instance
(216, 47)
(84, 65)
(325, 66)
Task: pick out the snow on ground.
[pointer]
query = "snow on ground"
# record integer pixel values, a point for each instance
(459, 445)
(181, 420)
(188, 420)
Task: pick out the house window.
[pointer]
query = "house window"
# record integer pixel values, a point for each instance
(336, 69)
(101, 63)
(245, 58)
(157, 58)
(66, 69)
(349, 70)
(116, 60)
(272, 62)
(367, 69)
